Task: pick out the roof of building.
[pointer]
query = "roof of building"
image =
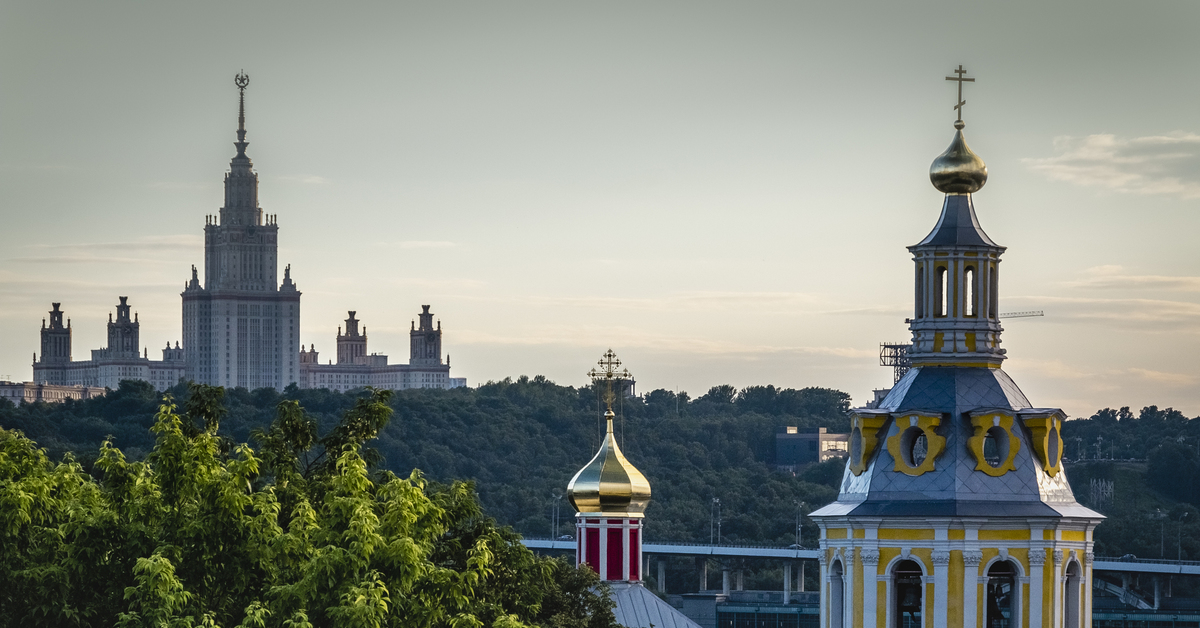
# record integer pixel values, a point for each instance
(954, 487)
(958, 225)
(637, 607)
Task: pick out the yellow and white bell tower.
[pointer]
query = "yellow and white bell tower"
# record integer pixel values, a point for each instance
(954, 509)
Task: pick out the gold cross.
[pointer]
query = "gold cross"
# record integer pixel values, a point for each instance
(607, 373)
(961, 79)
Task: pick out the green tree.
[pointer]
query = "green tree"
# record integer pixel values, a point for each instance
(206, 532)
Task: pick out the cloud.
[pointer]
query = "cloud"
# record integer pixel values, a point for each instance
(1114, 278)
(1167, 165)
(310, 179)
(630, 337)
(109, 252)
(426, 244)
(1149, 315)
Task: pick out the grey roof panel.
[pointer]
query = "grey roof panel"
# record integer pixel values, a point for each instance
(637, 607)
(958, 225)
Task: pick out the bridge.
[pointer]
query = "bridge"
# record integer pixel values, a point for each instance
(1123, 565)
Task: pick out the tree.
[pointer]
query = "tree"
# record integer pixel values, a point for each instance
(206, 532)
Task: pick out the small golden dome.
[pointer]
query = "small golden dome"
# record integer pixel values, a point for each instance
(958, 170)
(609, 485)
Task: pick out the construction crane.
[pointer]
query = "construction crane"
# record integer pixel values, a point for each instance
(895, 354)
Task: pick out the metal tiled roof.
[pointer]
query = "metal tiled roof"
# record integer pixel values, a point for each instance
(637, 607)
(958, 225)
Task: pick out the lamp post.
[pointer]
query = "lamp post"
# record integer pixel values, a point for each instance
(554, 523)
(1179, 539)
(800, 506)
(714, 517)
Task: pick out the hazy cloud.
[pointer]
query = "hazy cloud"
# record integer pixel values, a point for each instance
(1156, 164)
(310, 179)
(108, 252)
(426, 244)
(1115, 278)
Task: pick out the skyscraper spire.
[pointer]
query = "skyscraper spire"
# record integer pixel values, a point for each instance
(241, 80)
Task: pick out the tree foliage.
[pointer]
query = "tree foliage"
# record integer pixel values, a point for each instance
(208, 532)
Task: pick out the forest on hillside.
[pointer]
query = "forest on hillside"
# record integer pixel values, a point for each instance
(520, 441)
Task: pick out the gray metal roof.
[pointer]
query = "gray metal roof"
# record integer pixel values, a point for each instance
(954, 488)
(958, 225)
(637, 607)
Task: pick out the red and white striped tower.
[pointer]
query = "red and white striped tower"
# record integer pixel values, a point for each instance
(610, 497)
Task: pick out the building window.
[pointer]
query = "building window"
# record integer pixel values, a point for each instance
(1002, 595)
(837, 595)
(1071, 596)
(943, 290)
(969, 285)
(907, 588)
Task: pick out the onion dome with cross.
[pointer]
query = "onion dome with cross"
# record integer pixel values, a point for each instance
(609, 494)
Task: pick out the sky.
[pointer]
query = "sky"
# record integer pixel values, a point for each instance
(720, 192)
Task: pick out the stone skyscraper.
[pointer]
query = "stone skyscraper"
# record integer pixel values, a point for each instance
(241, 328)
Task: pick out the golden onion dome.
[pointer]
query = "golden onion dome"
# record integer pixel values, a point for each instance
(958, 170)
(609, 485)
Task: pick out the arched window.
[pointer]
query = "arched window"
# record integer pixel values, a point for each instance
(907, 592)
(943, 291)
(837, 595)
(920, 291)
(993, 290)
(1071, 596)
(1002, 592)
(969, 291)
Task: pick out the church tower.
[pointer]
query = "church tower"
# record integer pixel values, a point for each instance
(241, 327)
(954, 508)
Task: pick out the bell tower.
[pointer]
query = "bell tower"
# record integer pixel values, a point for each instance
(954, 509)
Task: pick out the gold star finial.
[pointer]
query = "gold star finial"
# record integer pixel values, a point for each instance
(608, 373)
(961, 79)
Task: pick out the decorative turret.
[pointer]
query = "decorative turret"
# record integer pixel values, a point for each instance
(241, 183)
(956, 319)
(610, 497)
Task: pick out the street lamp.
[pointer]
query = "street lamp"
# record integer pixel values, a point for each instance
(714, 516)
(1179, 540)
(800, 506)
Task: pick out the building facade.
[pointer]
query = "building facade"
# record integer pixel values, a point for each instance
(122, 359)
(796, 447)
(955, 510)
(356, 368)
(241, 327)
(31, 392)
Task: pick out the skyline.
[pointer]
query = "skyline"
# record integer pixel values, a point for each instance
(669, 181)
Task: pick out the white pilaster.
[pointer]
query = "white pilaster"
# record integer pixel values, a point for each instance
(941, 586)
(848, 599)
(823, 580)
(971, 560)
(870, 561)
(1037, 565)
(1056, 595)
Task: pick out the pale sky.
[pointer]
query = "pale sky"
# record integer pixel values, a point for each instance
(721, 192)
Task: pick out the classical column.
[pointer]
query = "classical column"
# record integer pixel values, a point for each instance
(1086, 585)
(848, 600)
(971, 560)
(870, 561)
(1056, 595)
(941, 586)
(1037, 565)
(823, 587)
(787, 582)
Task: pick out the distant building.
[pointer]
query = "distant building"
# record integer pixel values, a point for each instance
(795, 447)
(122, 359)
(242, 327)
(30, 392)
(356, 368)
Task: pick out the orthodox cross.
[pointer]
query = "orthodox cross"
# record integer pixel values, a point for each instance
(961, 79)
(607, 373)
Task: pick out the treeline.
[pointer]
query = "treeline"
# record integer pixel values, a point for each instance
(521, 441)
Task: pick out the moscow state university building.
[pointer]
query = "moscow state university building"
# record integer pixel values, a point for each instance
(241, 327)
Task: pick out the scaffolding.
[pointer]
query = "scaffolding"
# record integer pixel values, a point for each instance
(895, 355)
